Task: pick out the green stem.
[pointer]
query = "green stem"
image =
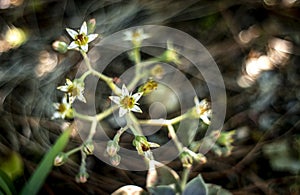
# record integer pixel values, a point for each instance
(185, 176)
(164, 122)
(93, 129)
(108, 80)
(119, 133)
(74, 150)
(83, 116)
(138, 75)
(175, 138)
(107, 112)
(133, 122)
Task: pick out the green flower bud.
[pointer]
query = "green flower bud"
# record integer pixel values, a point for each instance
(186, 159)
(226, 138)
(82, 177)
(88, 148)
(112, 148)
(170, 55)
(141, 144)
(115, 160)
(60, 46)
(91, 26)
(60, 159)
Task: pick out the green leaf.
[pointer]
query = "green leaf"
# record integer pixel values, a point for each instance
(216, 190)
(165, 190)
(6, 185)
(165, 176)
(37, 179)
(196, 186)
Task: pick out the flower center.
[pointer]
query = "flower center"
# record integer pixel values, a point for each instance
(62, 108)
(81, 39)
(127, 102)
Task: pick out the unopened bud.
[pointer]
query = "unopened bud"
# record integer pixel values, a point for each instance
(112, 148)
(115, 160)
(88, 148)
(91, 25)
(60, 46)
(82, 177)
(60, 159)
(186, 159)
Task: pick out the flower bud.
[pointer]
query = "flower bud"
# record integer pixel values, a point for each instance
(112, 148)
(115, 160)
(60, 46)
(141, 144)
(226, 138)
(60, 159)
(170, 55)
(91, 25)
(82, 177)
(88, 148)
(186, 159)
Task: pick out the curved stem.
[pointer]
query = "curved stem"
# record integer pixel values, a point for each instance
(107, 112)
(108, 80)
(175, 138)
(83, 116)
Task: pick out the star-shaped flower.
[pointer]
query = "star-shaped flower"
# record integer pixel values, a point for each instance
(203, 110)
(63, 109)
(127, 102)
(81, 38)
(135, 36)
(74, 89)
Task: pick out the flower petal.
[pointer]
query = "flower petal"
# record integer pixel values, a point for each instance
(196, 100)
(122, 111)
(56, 115)
(72, 33)
(56, 105)
(85, 47)
(81, 98)
(69, 82)
(83, 28)
(125, 91)
(136, 109)
(63, 88)
(205, 119)
(92, 37)
(72, 45)
(115, 99)
(128, 36)
(137, 96)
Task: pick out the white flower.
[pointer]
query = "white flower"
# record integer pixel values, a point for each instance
(74, 89)
(136, 36)
(203, 110)
(81, 38)
(63, 109)
(127, 102)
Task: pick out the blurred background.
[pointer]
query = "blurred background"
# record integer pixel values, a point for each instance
(255, 44)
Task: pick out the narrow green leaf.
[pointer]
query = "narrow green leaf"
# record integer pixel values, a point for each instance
(4, 187)
(6, 183)
(37, 179)
(196, 186)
